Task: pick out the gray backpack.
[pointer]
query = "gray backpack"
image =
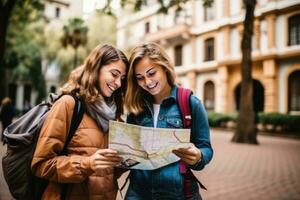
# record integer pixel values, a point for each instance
(21, 138)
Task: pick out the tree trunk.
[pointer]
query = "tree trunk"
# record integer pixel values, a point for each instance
(5, 13)
(246, 129)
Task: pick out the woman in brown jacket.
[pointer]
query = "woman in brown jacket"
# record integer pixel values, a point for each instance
(89, 167)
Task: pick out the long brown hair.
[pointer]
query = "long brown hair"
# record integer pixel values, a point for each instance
(134, 93)
(84, 79)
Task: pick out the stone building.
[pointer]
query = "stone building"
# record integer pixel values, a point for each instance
(204, 43)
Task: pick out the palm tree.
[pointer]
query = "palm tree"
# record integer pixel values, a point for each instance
(75, 34)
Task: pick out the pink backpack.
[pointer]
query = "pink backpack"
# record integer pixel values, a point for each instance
(183, 99)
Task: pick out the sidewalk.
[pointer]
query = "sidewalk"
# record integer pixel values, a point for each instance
(269, 171)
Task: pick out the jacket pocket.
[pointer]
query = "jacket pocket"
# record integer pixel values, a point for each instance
(174, 122)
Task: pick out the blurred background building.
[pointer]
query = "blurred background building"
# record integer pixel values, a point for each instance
(204, 44)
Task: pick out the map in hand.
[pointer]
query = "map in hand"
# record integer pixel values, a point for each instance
(145, 147)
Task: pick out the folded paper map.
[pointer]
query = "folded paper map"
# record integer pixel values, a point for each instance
(144, 147)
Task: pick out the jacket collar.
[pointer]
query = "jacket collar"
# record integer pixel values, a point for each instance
(173, 93)
(171, 98)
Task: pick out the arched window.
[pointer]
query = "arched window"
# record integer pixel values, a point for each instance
(209, 96)
(294, 91)
(209, 49)
(294, 30)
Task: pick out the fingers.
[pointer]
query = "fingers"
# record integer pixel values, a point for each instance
(191, 160)
(105, 158)
(190, 155)
(106, 151)
(108, 154)
(192, 150)
(189, 151)
(185, 156)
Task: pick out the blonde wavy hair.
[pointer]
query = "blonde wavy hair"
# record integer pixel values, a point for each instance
(84, 80)
(134, 96)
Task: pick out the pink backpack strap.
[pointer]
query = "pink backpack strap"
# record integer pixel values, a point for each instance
(183, 100)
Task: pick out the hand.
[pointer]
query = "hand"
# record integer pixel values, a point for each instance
(190, 155)
(104, 158)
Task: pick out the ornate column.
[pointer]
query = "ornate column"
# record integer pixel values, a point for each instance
(226, 8)
(20, 96)
(257, 34)
(193, 12)
(193, 47)
(271, 31)
(192, 79)
(226, 43)
(271, 86)
(222, 90)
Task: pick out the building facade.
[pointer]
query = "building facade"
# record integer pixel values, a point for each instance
(204, 44)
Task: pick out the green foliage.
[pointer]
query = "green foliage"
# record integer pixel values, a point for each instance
(138, 5)
(273, 122)
(75, 33)
(66, 45)
(207, 3)
(52, 42)
(165, 5)
(102, 29)
(220, 119)
(286, 122)
(65, 59)
(24, 42)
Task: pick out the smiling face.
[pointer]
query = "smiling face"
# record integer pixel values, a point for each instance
(152, 78)
(110, 77)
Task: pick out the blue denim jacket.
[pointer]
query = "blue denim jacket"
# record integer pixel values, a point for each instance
(167, 182)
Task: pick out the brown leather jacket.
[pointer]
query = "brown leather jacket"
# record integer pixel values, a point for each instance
(74, 168)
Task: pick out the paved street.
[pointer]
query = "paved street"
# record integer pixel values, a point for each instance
(269, 171)
(238, 171)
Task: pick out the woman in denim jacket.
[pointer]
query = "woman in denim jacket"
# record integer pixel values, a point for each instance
(151, 101)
